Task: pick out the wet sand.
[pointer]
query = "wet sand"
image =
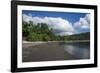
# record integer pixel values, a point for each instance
(44, 52)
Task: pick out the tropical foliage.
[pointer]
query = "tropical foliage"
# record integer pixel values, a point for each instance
(41, 32)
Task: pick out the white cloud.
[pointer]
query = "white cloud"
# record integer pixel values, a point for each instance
(87, 18)
(57, 23)
(65, 33)
(83, 23)
(27, 18)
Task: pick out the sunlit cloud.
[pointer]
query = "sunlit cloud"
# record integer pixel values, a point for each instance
(57, 23)
(83, 23)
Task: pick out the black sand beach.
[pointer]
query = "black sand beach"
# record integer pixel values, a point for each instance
(44, 52)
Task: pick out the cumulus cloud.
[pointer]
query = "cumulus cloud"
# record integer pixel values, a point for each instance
(57, 23)
(65, 33)
(83, 23)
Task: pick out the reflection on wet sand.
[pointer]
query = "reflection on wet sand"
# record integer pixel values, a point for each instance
(78, 51)
(53, 51)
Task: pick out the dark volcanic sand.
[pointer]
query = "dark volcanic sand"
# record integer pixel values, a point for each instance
(44, 52)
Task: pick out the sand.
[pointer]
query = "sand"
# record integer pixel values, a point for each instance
(33, 52)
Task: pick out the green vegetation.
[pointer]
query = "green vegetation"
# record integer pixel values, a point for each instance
(81, 36)
(41, 32)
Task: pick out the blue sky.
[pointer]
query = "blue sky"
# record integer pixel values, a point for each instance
(77, 21)
(72, 17)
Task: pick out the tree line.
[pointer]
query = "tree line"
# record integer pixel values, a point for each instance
(41, 32)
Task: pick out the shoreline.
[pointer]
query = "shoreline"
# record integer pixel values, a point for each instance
(55, 41)
(30, 43)
(44, 52)
(47, 51)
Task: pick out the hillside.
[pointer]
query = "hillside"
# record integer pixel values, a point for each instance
(81, 36)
